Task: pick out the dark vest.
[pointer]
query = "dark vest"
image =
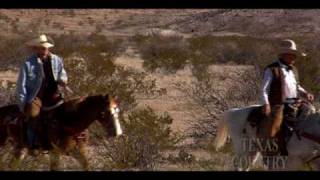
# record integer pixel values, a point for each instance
(276, 86)
(49, 86)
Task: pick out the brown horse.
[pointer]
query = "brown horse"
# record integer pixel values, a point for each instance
(67, 126)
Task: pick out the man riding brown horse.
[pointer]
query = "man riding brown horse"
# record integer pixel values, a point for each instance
(280, 93)
(37, 86)
(68, 131)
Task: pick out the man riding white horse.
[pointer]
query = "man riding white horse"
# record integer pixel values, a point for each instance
(280, 92)
(251, 128)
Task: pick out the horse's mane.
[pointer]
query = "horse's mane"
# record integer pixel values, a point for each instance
(79, 111)
(81, 103)
(92, 100)
(11, 110)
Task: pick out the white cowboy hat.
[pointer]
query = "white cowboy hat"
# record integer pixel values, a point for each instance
(41, 41)
(288, 46)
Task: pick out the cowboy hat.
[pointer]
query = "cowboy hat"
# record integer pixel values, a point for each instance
(288, 46)
(41, 41)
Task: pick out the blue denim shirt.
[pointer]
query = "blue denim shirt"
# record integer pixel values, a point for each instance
(31, 76)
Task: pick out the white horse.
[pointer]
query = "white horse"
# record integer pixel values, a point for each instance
(304, 147)
(301, 149)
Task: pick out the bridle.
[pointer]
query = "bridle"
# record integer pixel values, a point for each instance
(113, 108)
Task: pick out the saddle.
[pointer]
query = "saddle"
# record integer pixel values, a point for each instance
(48, 128)
(256, 116)
(290, 114)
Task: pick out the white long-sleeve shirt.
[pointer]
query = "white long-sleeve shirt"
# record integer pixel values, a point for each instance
(290, 84)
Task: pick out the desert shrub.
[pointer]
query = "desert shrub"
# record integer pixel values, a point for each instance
(91, 46)
(123, 84)
(34, 26)
(89, 62)
(118, 22)
(245, 89)
(47, 22)
(309, 75)
(139, 40)
(211, 100)
(4, 17)
(233, 49)
(202, 54)
(67, 44)
(13, 52)
(183, 158)
(171, 53)
(7, 94)
(71, 13)
(167, 53)
(91, 21)
(80, 23)
(58, 25)
(147, 135)
(308, 66)
(99, 44)
(99, 28)
(99, 75)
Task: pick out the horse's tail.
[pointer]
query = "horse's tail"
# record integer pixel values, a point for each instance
(222, 133)
(3, 138)
(3, 135)
(5, 114)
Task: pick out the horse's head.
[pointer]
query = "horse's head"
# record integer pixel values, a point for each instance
(109, 115)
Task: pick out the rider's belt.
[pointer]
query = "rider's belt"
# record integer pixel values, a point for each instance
(290, 101)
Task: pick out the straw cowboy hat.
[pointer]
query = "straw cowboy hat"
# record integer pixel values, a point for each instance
(41, 41)
(288, 46)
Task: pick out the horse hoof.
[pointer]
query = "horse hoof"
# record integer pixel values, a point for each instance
(35, 152)
(24, 153)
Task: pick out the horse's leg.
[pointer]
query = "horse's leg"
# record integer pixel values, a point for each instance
(299, 150)
(3, 136)
(80, 155)
(19, 151)
(294, 163)
(69, 144)
(82, 150)
(243, 158)
(255, 159)
(54, 158)
(316, 165)
(18, 155)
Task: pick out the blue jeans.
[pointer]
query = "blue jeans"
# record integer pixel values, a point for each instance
(31, 136)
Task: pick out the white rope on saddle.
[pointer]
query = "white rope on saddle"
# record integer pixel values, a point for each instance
(52, 107)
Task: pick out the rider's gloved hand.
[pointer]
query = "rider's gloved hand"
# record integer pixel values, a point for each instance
(310, 97)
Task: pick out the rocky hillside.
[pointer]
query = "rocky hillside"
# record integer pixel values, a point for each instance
(127, 22)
